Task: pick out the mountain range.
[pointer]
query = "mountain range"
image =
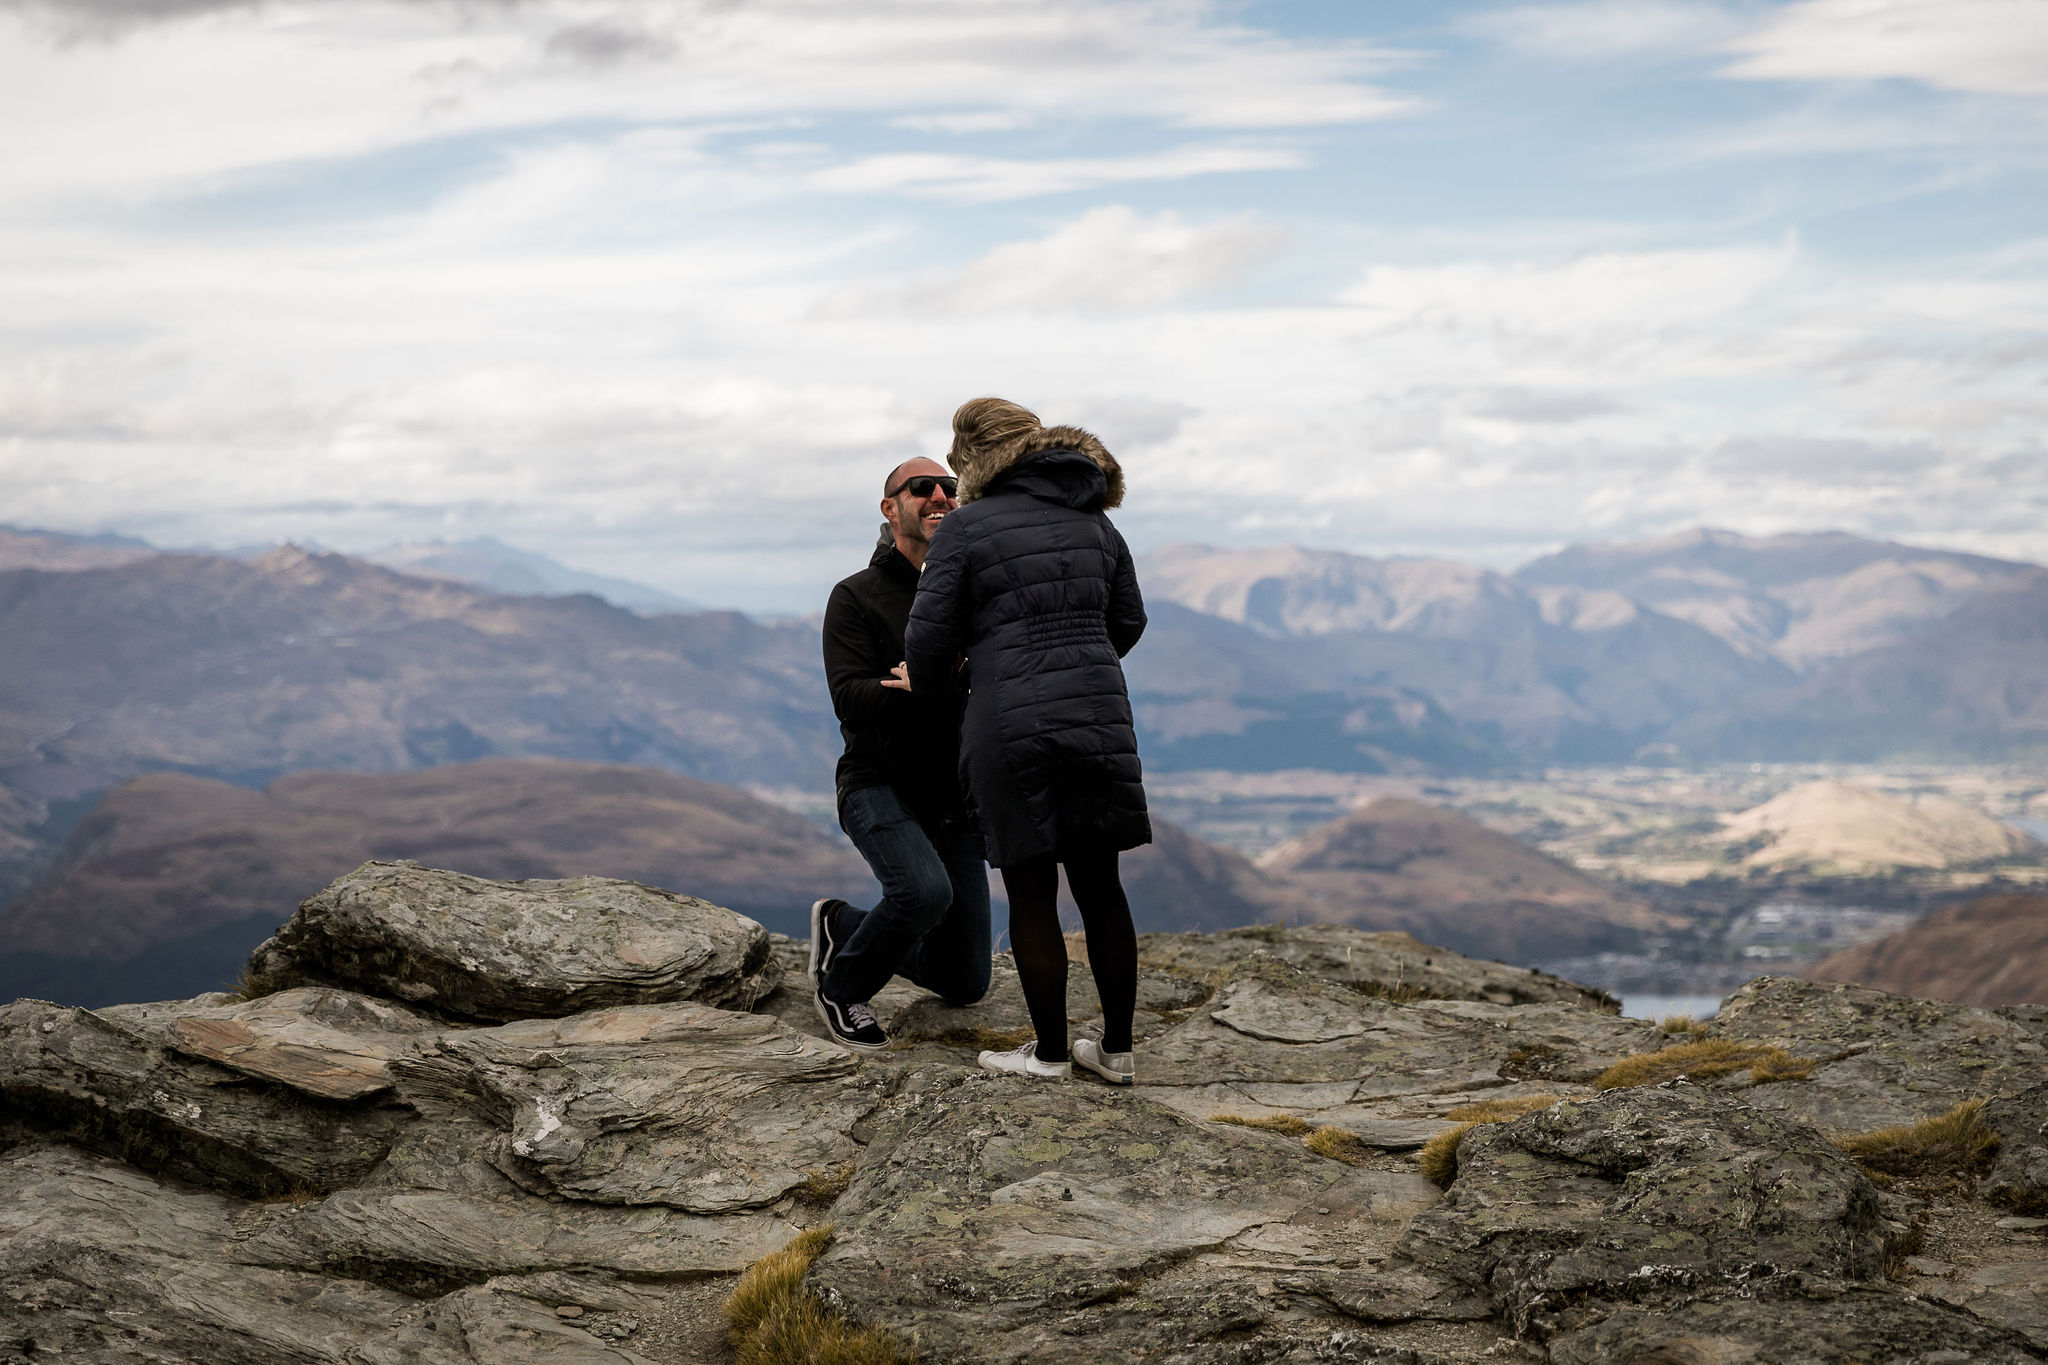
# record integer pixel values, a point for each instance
(120, 661)
(1707, 645)
(170, 880)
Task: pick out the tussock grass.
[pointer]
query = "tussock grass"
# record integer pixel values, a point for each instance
(1500, 1111)
(1705, 1060)
(976, 1037)
(772, 1321)
(1957, 1143)
(824, 1187)
(1338, 1145)
(1393, 992)
(250, 984)
(1439, 1155)
(1681, 1023)
(1276, 1123)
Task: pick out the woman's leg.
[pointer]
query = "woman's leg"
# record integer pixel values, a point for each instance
(1040, 951)
(1112, 942)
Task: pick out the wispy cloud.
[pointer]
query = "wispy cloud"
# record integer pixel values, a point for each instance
(1996, 47)
(1110, 258)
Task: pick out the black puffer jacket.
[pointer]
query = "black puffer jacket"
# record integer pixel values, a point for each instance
(1030, 582)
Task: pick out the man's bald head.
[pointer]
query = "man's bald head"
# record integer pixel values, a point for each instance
(910, 469)
(912, 516)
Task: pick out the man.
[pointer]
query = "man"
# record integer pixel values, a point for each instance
(899, 790)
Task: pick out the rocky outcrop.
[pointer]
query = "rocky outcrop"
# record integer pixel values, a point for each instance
(481, 949)
(1392, 965)
(325, 1175)
(687, 1106)
(2019, 1179)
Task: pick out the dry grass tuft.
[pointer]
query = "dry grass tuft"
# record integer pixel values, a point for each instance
(1681, 1023)
(1277, 1123)
(1705, 1060)
(1393, 992)
(1338, 1145)
(1500, 1111)
(978, 1038)
(1439, 1155)
(1957, 1143)
(824, 1187)
(251, 984)
(773, 1321)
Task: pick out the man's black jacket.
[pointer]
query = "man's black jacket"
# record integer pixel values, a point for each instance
(893, 738)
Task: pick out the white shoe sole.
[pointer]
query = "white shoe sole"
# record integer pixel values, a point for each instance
(1052, 1072)
(817, 939)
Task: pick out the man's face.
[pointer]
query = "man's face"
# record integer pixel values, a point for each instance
(914, 518)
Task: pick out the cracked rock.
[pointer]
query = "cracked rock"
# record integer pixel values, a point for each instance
(482, 949)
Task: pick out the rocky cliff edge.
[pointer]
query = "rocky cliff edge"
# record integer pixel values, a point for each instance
(464, 1122)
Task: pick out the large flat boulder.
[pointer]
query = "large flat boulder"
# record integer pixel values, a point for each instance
(438, 1215)
(683, 1105)
(1392, 965)
(1589, 1223)
(129, 1083)
(102, 1262)
(1272, 1023)
(501, 950)
(1883, 1059)
(995, 1219)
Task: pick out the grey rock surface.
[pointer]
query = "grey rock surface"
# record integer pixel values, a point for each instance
(1001, 1220)
(481, 949)
(2019, 1180)
(1392, 965)
(1271, 1023)
(102, 1262)
(1642, 1193)
(1804, 1320)
(1884, 1059)
(130, 1092)
(578, 1185)
(696, 1108)
(439, 1215)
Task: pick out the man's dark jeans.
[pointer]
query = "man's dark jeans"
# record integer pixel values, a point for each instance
(932, 925)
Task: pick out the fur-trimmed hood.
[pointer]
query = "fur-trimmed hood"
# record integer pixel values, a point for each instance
(978, 472)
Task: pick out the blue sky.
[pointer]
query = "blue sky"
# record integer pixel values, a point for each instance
(662, 288)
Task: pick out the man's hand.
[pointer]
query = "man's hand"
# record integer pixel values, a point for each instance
(899, 678)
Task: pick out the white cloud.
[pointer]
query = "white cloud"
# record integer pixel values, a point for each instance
(1109, 258)
(986, 180)
(1993, 47)
(175, 99)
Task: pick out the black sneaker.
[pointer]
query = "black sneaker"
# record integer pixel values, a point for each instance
(852, 1026)
(823, 944)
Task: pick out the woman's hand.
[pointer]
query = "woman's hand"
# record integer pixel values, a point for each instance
(899, 678)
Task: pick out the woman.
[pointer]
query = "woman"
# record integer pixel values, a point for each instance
(1032, 587)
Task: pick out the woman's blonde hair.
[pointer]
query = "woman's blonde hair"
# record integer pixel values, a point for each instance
(982, 424)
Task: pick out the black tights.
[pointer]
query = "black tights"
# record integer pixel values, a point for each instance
(1041, 950)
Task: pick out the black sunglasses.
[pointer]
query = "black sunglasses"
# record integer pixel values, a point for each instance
(921, 486)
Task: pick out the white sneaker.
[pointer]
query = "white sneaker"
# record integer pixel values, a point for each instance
(1115, 1067)
(1023, 1061)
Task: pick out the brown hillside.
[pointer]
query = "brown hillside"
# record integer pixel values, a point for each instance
(1448, 879)
(164, 855)
(1179, 884)
(1991, 951)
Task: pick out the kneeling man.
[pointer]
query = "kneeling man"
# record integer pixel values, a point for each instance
(899, 790)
